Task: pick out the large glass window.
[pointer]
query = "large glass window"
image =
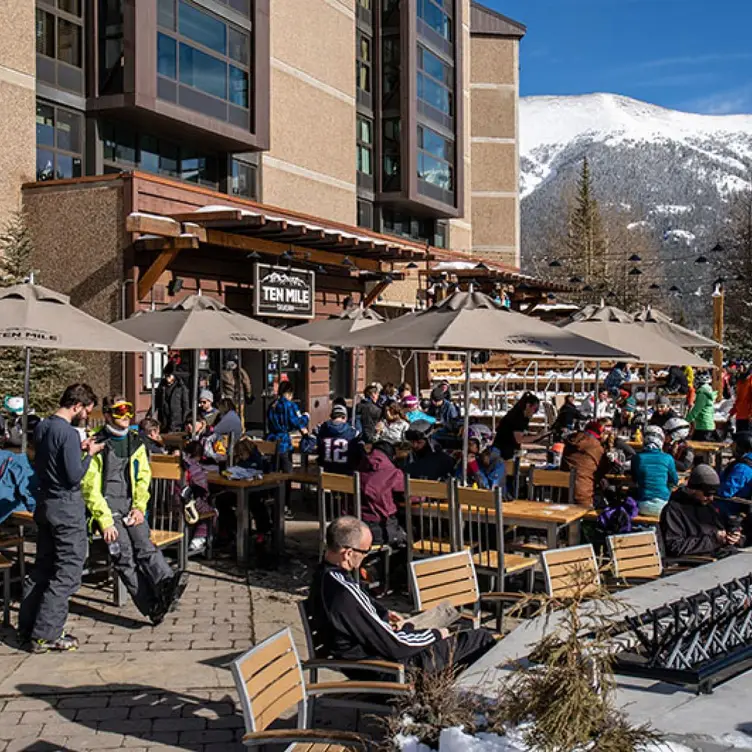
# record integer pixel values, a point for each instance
(205, 53)
(435, 82)
(390, 65)
(59, 143)
(363, 65)
(45, 33)
(60, 35)
(365, 145)
(244, 179)
(434, 13)
(435, 158)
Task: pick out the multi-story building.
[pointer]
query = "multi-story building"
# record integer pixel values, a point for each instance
(386, 117)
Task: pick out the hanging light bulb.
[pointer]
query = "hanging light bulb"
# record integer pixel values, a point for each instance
(634, 258)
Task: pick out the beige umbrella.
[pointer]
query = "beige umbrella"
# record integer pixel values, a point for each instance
(661, 324)
(32, 316)
(199, 322)
(470, 321)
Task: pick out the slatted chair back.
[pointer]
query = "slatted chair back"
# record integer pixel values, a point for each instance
(512, 478)
(269, 450)
(314, 641)
(569, 571)
(635, 555)
(481, 528)
(450, 577)
(269, 680)
(551, 486)
(431, 517)
(338, 495)
(165, 513)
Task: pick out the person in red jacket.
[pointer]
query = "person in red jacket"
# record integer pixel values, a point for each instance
(742, 408)
(380, 480)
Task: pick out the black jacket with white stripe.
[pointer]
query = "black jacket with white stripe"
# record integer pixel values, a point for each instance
(354, 626)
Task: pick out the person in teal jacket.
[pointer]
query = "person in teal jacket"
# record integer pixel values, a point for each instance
(654, 472)
(702, 414)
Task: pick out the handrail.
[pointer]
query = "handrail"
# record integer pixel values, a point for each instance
(532, 364)
(579, 366)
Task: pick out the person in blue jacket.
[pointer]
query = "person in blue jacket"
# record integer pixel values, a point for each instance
(283, 417)
(654, 472)
(445, 411)
(338, 444)
(736, 478)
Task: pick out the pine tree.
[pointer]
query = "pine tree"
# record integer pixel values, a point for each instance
(50, 371)
(738, 264)
(587, 243)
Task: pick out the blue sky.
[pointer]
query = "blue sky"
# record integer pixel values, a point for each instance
(692, 55)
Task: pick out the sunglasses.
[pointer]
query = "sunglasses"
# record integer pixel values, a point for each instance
(121, 410)
(359, 551)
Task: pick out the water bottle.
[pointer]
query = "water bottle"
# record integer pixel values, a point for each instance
(114, 548)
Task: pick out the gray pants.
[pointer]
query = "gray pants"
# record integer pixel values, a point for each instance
(61, 554)
(140, 564)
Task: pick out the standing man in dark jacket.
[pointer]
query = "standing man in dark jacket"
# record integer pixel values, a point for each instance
(173, 401)
(338, 444)
(689, 524)
(61, 461)
(369, 413)
(356, 627)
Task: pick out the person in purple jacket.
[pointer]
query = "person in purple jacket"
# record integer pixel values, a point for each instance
(380, 480)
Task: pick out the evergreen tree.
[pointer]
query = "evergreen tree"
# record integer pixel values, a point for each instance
(50, 371)
(587, 242)
(738, 265)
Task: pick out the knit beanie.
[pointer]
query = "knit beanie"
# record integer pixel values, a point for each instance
(703, 476)
(205, 394)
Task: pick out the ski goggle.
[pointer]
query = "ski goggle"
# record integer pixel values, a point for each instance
(121, 410)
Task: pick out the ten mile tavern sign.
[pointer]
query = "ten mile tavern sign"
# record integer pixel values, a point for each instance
(284, 292)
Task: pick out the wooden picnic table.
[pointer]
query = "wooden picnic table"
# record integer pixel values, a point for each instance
(280, 483)
(548, 517)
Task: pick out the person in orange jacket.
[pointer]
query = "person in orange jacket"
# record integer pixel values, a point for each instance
(742, 408)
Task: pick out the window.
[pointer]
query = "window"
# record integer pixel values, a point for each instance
(59, 143)
(435, 82)
(70, 6)
(365, 214)
(61, 36)
(205, 53)
(111, 47)
(392, 150)
(364, 141)
(363, 66)
(244, 179)
(390, 65)
(45, 33)
(434, 13)
(435, 159)
(365, 4)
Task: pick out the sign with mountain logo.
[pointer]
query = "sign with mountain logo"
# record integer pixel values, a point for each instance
(284, 292)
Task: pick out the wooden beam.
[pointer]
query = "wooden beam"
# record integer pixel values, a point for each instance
(164, 244)
(153, 225)
(261, 245)
(220, 215)
(378, 288)
(191, 228)
(149, 278)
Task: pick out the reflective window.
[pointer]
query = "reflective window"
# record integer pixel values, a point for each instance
(166, 14)
(244, 179)
(435, 158)
(239, 46)
(435, 144)
(435, 171)
(363, 65)
(434, 94)
(167, 63)
(69, 42)
(434, 66)
(45, 33)
(364, 140)
(202, 27)
(238, 87)
(203, 71)
(433, 13)
(70, 6)
(59, 143)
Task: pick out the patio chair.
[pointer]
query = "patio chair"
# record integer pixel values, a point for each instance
(635, 556)
(430, 517)
(338, 495)
(551, 486)
(570, 570)
(270, 681)
(163, 512)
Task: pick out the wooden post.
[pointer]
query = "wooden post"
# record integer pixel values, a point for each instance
(718, 303)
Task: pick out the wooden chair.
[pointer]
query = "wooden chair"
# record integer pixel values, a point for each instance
(569, 570)
(268, 449)
(5, 567)
(318, 658)
(551, 486)
(164, 514)
(431, 517)
(270, 681)
(512, 471)
(635, 556)
(338, 495)
(481, 530)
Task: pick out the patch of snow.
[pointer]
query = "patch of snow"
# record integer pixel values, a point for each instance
(670, 209)
(638, 225)
(681, 235)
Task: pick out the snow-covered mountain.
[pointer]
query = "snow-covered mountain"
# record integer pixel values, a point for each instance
(670, 173)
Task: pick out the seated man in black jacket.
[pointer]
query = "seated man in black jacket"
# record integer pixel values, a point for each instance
(689, 525)
(355, 626)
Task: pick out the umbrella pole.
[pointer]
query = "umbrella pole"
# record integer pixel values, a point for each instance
(466, 431)
(356, 376)
(597, 387)
(27, 389)
(194, 391)
(647, 389)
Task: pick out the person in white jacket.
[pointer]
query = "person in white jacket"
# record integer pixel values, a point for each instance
(605, 406)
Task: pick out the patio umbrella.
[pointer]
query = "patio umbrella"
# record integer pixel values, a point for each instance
(199, 322)
(32, 316)
(332, 330)
(658, 322)
(470, 321)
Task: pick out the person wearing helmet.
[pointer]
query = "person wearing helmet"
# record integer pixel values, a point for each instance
(654, 472)
(11, 430)
(702, 414)
(677, 433)
(427, 459)
(736, 478)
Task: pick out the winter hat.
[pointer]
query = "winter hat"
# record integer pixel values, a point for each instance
(702, 378)
(677, 429)
(205, 394)
(438, 394)
(664, 401)
(385, 448)
(419, 429)
(410, 402)
(653, 438)
(338, 411)
(14, 405)
(595, 428)
(703, 476)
